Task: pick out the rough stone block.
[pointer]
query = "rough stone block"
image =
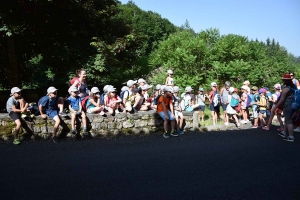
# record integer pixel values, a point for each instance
(103, 125)
(36, 129)
(146, 131)
(128, 124)
(109, 119)
(151, 122)
(136, 131)
(140, 123)
(98, 119)
(114, 125)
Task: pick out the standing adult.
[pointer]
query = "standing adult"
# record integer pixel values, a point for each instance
(224, 100)
(170, 79)
(80, 82)
(286, 99)
(294, 80)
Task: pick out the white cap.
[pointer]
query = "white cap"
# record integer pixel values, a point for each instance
(51, 90)
(124, 88)
(170, 71)
(146, 87)
(106, 87)
(188, 89)
(244, 87)
(213, 84)
(158, 87)
(176, 89)
(111, 89)
(130, 83)
(162, 87)
(168, 89)
(14, 90)
(73, 89)
(94, 90)
(141, 80)
(231, 89)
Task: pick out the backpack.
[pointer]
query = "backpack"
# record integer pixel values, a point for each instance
(73, 81)
(102, 98)
(217, 99)
(122, 94)
(234, 102)
(83, 103)
(249, 100)
(156, 99)
(296, 100)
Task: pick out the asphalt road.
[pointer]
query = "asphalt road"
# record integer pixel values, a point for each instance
(246, 164)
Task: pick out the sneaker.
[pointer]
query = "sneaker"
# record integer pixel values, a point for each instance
(55, 139)
(297, 129)
(238, 125)
(254, 126)
(289, 139)
(166, 135)
(174, 133)
(117, 112)
(282, 134)
(266, 128)
(62, 114)
(181, 132)
(243, 121)
(226, 123)
(16, 141)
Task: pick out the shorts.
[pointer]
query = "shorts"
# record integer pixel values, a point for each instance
(212, 108)
(52, 113)
(14, 116)
(255, 111)
(163, 116)
(178, 114)
(202, 108)
(224, 106)
(268, 113)
(288, 114)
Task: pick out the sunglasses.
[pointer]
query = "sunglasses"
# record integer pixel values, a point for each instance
(291, 74)
(75, 91)
(112, 92)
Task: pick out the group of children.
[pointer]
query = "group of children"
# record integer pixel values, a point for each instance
(165, 99)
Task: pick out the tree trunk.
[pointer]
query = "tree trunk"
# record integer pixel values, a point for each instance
(13, 67)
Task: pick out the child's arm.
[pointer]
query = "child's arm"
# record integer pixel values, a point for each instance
(119, 100)
(41, 111)
(80, 107)
(70, 108)
(167, 79)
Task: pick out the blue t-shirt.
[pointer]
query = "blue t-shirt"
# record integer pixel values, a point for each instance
(74, 102)
(50, 104)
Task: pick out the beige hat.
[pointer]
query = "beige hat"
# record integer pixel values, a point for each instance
(170, 71)
(213, 84)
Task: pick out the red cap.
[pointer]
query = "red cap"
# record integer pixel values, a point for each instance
(286, 77)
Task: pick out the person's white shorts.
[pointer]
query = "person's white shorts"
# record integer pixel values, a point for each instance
(178, 114)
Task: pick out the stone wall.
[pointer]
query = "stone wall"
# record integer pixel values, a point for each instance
(148, 122)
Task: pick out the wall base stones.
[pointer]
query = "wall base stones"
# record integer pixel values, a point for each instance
(147, 122)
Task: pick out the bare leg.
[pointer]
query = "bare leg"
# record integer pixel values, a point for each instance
(18, 125)
(57, 122)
